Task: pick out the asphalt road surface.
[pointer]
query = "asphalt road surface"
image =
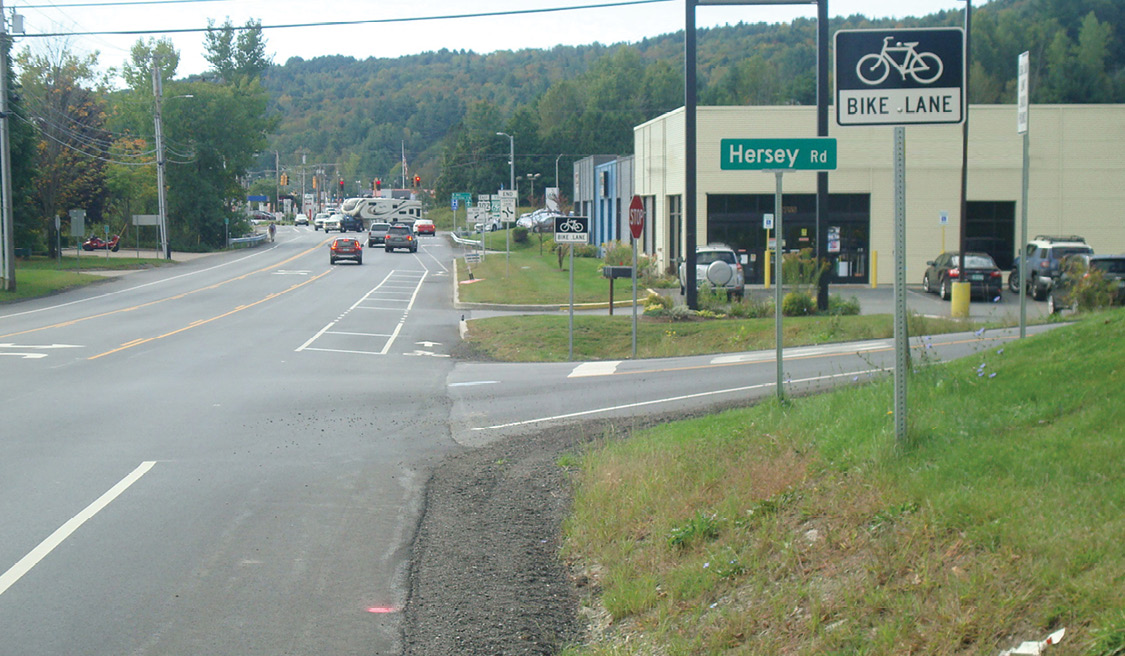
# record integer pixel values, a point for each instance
(231, 456)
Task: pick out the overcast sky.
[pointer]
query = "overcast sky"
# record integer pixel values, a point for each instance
(482, 34)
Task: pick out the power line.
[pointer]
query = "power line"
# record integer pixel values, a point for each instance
(412, 19)
(115, 4)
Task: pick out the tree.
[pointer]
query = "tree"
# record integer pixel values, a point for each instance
(236, 58)
(137, 71)
(70, 119)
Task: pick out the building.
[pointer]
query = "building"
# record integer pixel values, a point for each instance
(1077, 186)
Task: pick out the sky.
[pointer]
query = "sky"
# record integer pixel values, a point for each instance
(606, 25)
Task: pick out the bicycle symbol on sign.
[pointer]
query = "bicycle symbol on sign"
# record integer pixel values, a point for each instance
(571, 225)
(924, 67)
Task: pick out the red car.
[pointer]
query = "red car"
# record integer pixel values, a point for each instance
(424, 227)
(346, 248)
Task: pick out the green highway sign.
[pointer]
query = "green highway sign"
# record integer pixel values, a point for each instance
(812, 154)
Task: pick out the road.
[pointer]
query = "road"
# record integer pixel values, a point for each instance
(231, 455)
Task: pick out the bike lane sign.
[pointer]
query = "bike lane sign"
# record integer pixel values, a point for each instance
(572, 229)
(900, 77)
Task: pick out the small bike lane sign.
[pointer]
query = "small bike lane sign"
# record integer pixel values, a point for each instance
(900, 77)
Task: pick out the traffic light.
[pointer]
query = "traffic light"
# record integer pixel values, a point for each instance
(417, 181)
(314, 182)
(378, 184)
(284, 179)
(341, 189)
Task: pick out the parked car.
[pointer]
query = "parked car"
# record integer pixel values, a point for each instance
(984, 277)
(345, 248)
(424, 227)
(377, 233)
(1043, 254)
(351, 223)
(318, 220)
(400, 235)
(333, 222)
(1074, 269)
(716, 265)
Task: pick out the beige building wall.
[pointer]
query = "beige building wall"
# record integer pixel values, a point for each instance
(1077, 181)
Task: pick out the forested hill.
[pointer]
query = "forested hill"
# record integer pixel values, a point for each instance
(445, 107)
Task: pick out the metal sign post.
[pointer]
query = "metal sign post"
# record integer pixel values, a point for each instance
(898, 78)
(1022, 120)
(778, 156)
(636, 228)
(571, 230)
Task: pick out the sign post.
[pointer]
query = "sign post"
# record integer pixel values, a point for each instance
(636, 228)
(898, 78)
(1022, 120)
(571, 230)
(507, 215)
(778, 156)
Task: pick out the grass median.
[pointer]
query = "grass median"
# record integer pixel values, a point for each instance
(803, 528)
(42, 276)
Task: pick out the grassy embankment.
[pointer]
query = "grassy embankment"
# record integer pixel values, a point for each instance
(802, 528)
(531, 278)
(42, 276)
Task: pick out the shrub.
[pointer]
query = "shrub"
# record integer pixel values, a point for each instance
(654, 300)
(840, 306)
(519, 235)
(797, 304)
(801, 269)
(752, 308)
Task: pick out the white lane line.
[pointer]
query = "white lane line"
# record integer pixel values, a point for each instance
(312, 339)
(606, 368)
(471, 383)
(409, 307)
(8, 578)
(685, 397)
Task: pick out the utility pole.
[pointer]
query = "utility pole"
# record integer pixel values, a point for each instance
(7, 228)
(158, 93)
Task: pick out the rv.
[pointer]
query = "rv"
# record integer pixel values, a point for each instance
(383, 210)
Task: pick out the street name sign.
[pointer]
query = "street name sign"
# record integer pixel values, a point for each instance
(811, 154)
(900, 77)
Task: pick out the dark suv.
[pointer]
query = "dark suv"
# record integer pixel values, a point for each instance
(351, 223)
(400, 235)
(1043, 254)
(1076, 281)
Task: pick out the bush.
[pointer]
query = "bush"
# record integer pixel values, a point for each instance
(519, 235)
(797, 304)
(752, 308)
(657, 301)
(839, 306)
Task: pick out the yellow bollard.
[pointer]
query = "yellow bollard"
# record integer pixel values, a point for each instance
(959, 300)
(767, 271)
(874, 269)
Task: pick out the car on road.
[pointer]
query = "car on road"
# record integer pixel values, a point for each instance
(333, 222)
(377, 233)
(980, 271)
(318, 220)
(424, 227)
(1043, 255)
(301, 219)
(718, 266)
(345, 248)
(1100, 277)
(400, 235)
(351, 223)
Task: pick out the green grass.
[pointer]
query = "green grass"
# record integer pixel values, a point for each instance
(545, 338)
(802, 528)
(526, 277)
(42, 276)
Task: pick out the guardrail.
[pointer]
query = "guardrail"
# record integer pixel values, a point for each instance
(247, 242)
(475, 243)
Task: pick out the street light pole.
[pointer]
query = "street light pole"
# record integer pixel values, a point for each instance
(512, 185)
(158, 93)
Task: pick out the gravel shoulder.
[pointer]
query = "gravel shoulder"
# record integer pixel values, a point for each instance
(486, 577)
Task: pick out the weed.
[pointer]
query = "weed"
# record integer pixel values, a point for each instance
(701, 526)
(884, 519)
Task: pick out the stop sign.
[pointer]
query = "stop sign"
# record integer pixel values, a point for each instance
(636, 217)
